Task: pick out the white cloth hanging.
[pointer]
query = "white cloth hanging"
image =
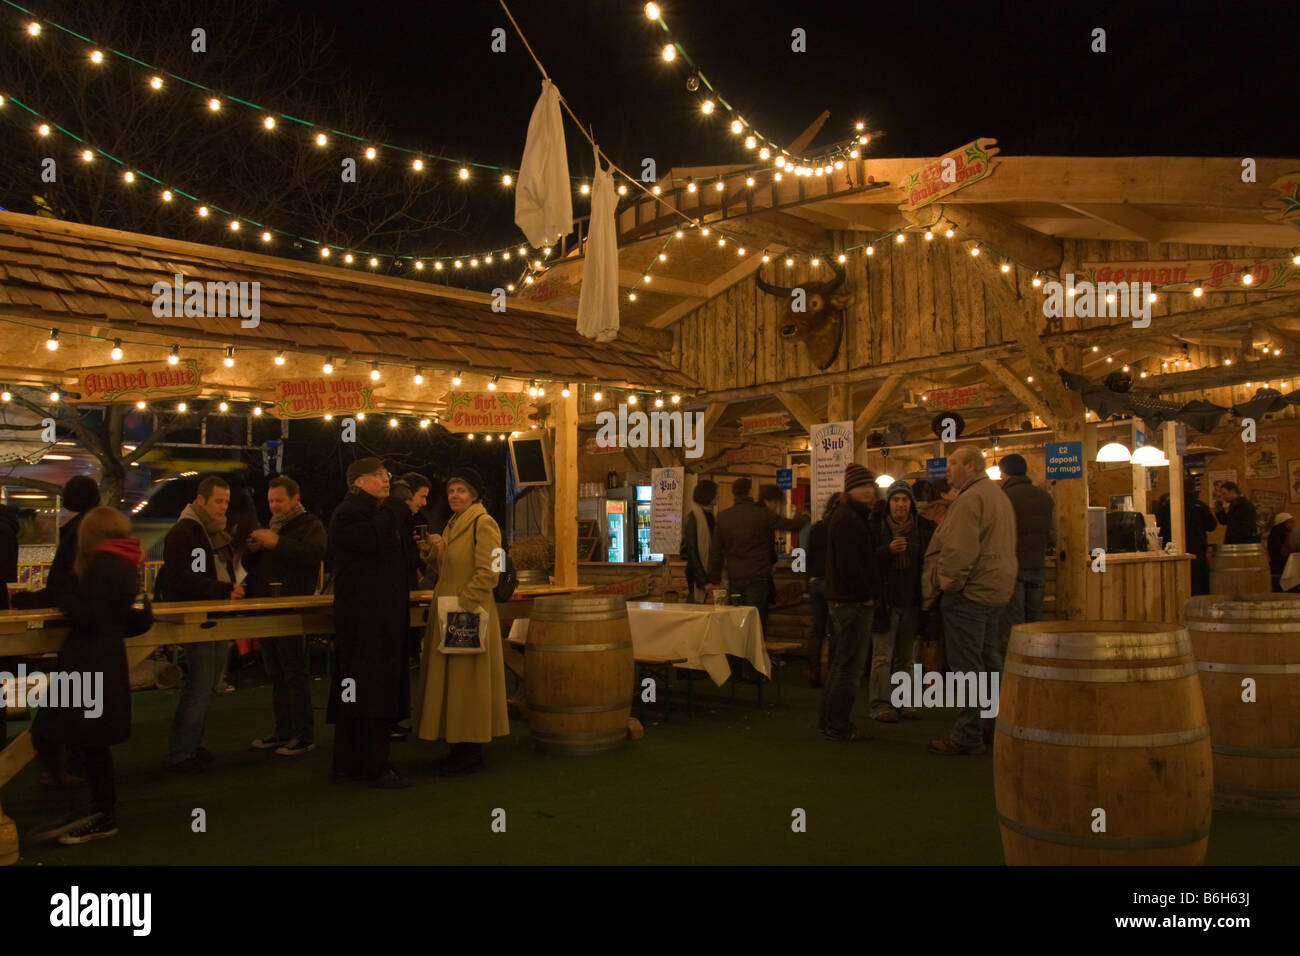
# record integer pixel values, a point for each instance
(543, 196)
(598, 300)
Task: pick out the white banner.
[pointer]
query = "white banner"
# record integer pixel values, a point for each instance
(666, 488)
(832, 452)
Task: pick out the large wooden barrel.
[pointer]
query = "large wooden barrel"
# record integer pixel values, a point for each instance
(578, 673)
(1102, 715)
(1256, 741)
(1240, 569)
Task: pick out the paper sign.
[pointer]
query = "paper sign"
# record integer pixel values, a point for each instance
(666, 487)
(832, 452)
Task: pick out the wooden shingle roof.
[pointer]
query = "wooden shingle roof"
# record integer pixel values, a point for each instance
(68, 275)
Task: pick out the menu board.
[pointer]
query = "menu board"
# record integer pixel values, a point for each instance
(832, 451)
(666, 487)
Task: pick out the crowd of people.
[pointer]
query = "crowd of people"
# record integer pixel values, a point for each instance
(379, 548)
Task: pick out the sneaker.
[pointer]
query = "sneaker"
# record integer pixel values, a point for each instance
(99, 827)
(391, 779)
(270, 742)
(53, 829)
(885, 716)
(224, 688)
(205, 756)
(293, 748)
(950, 748)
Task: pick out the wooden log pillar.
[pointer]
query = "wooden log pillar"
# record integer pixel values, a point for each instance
(1177, 516)
(1139, 471)
(1073, 562)
(566, 489)
(839, 403)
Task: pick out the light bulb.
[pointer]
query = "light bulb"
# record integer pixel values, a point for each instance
(175, 355)
(116, 351)
(328, 367)
(257, 410)
(87, 155)
(370, 152)
(223, 407)
(142, 405)
(214, 104)
(321, 139)
(455, 379)
(229, 360)
(652, 11)
(156, 82)
(631, 399)
(871, 250)
(167, 195)
(34, 29)
(279, 358)
(506, 180)
(52, 343)
(669, 52)
(269, 122)
(706, 107)
(464, 173)
(597, 396)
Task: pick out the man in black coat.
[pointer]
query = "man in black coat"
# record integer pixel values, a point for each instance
(1239, 516)
(285, 560)
(901, 538)
(370, 688)
(1198, 522)
(1035, 534)
(198, 565)
(851, 585)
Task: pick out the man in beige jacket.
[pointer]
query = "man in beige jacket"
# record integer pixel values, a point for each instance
(972, 562)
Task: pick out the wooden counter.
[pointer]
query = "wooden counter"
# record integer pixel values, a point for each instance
(1141, 586)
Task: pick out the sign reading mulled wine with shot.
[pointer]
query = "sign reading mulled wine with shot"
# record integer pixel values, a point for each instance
(488, 412)
(949, 173)
(313, 396)
(138, 381)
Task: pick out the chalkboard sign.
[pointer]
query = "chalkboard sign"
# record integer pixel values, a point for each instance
(530, 459)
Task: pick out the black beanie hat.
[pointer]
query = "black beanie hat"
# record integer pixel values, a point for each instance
(1013, 465)
(81, 493)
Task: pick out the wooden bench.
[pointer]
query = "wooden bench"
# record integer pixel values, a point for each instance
(780, 652)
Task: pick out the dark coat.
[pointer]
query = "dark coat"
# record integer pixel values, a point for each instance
(294, 561)
(61, 577)
(817, 550)
(1198, 522)
(850, 554)
(1035, 527)
(697, 572)
(742, 535)
(99, 615)
(371, 607)
(901, 587)
(179, 581)
(1240, 520)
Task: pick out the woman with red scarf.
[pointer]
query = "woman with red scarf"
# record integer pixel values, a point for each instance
(100, 615)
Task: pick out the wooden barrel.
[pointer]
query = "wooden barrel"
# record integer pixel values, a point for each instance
(578, 674)
(1256, 742)
(8, 841)
(1240, 569)
(1102, 716)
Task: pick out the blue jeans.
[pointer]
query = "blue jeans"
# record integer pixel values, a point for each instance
(851, 631)
(970, 632)
(203, 663)
(820, 625)
(892, 651)
(286, 664)
(1027, 601)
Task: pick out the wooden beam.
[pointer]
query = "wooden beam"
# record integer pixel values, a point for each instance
(839, 403)
(566, 489)
(662, 284)
(883, 395)
(1001, 232)
(801, 142)
(676, 313)
(1286, 365)
(798, 408)
(1125, 216)
(1021, 390)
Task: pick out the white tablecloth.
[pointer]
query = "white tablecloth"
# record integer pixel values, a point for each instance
(1291, 571)
(704, 634)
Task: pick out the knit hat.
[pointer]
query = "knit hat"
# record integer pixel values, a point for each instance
(470, 477)
(81, 493)
(855, 475)
(1013, 465)
(901, 487)
(363, 466)
(1281, 517)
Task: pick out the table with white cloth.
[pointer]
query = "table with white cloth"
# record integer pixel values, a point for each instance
(1291, 571)
(703, 634)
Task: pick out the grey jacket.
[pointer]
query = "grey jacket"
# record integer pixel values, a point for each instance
(974, 551)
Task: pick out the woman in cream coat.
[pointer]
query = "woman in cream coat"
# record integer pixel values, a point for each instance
(461, 698)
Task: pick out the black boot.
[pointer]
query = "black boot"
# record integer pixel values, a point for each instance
(464, 758)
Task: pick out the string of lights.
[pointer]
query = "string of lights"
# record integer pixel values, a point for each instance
(269, 119)
(235, 223)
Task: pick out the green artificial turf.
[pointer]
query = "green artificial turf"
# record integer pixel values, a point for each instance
(716, 789)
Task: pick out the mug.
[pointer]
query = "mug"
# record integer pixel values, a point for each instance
(275, 587)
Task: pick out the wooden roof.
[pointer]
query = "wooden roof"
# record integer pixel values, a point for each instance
(77, 277)
(1155, 199)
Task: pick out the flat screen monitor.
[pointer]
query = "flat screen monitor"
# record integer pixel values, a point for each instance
(531, 459)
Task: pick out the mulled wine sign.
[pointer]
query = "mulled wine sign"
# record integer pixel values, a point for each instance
(949, 173)
(313, 396)
(137, 381)
(488, 412)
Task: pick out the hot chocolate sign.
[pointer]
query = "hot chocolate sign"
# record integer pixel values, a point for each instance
(488, 412)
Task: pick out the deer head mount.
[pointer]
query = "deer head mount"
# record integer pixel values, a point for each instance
(815, 317)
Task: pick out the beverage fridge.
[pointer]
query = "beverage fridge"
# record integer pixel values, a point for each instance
(627, 525)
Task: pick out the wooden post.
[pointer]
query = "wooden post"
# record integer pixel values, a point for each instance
(566, 489)
(1177, 519)
(1139, 471)
(1073, 561)
(839, 403)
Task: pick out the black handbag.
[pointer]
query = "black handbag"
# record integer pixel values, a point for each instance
(139, 619)
(507, 579)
